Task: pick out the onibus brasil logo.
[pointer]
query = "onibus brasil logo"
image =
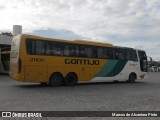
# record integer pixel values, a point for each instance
(21, 114)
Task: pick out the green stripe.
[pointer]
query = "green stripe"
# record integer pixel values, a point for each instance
(112, 68)
(110, 64)
(118, 68)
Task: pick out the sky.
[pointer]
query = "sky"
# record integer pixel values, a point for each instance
(128, 23)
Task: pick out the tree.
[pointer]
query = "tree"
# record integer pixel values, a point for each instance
(6, 33)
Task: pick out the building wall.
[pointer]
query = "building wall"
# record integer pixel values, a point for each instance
(5, 40)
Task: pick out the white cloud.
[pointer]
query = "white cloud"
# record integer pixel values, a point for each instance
(121, 22)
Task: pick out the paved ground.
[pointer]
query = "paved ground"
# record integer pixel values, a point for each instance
(122, 96)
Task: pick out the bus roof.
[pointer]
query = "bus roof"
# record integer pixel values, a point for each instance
(84, 42)
(139, 49)
(93, 43)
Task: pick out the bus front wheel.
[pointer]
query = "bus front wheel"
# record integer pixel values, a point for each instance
(132, 78)
(55, 80)
(71, 79)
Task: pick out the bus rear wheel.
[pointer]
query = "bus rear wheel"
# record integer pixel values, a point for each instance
(55, 80)
(132, 78)
(71, 79)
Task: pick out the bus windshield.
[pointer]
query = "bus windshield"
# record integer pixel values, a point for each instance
(143, 61)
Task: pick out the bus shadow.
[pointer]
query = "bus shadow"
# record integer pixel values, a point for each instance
(109, 83)
(79, 84)
(32, 86)
(5, 74)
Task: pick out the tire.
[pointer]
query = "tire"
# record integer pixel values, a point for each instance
(55, 80)
(71, 79)
(132, 78)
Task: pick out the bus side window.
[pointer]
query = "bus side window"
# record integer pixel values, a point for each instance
(109, 53)
(57, 49)
(88, 51)
(100, 53)
(134, 55)
(73, 51)
(94, 52)
(54, 48)
(128, 54)
(131, 55)
(66, 50)
(48, 48)
(30, 46)
(40, 47)
(119, 54)
(82, 53)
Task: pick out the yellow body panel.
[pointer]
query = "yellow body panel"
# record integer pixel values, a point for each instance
(41, 71)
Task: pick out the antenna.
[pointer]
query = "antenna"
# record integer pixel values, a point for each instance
(17, 21)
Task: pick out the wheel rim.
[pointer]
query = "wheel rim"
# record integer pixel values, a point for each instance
(55, 80)
(132, 77)
(71, 79)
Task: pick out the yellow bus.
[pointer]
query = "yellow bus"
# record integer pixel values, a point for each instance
(57, 62)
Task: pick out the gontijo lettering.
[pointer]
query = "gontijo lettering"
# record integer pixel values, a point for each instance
(81, 61)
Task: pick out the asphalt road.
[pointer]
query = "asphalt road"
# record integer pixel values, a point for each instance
(140, 96)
